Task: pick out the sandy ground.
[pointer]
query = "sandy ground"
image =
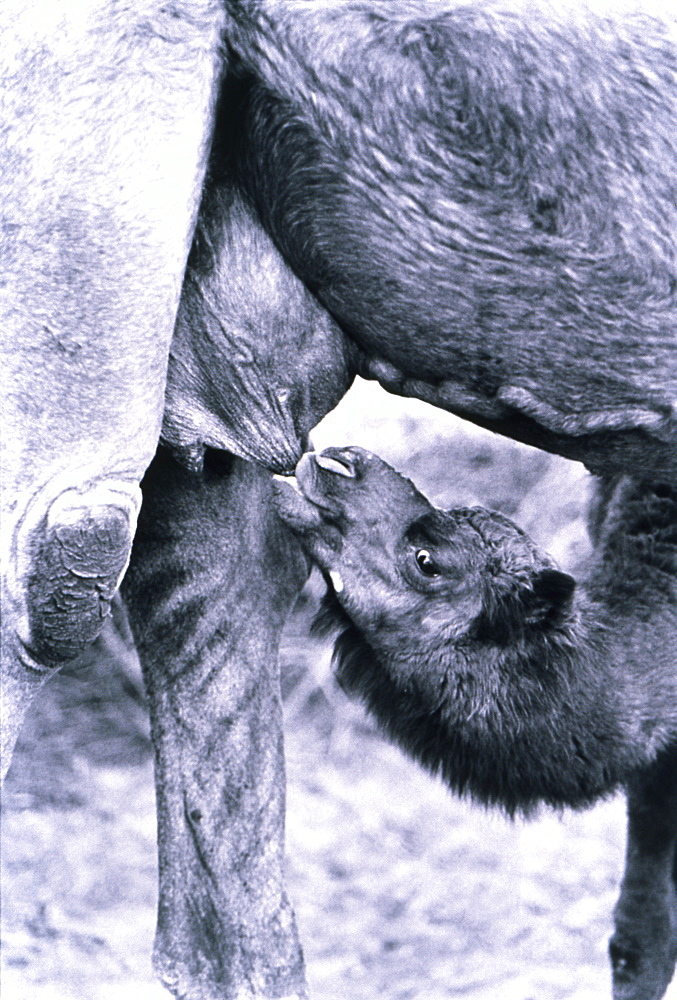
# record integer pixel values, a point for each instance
(402, 891)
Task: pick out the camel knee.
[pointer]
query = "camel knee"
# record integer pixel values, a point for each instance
(78, 554)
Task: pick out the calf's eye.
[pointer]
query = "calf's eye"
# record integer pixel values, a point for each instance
(426, 563)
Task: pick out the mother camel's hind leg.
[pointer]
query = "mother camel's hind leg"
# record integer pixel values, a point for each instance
(634, 526)
(107, 113)
(643, 948)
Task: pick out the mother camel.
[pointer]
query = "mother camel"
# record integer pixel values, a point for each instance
(472, 204)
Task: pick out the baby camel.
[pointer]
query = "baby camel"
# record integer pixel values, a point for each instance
(492, 668)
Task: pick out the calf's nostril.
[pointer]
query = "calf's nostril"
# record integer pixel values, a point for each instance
(342, 463)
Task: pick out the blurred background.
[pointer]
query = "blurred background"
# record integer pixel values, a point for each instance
(402, 891)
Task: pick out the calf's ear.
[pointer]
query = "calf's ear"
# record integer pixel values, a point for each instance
(543, 604)
(549, 598)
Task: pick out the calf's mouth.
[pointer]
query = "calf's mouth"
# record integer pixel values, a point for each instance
(339, 461)
(311, 497)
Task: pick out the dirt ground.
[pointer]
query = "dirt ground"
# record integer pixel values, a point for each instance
(402, 891)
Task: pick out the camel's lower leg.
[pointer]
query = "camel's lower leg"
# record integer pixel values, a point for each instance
(643, 948)
(212, 579)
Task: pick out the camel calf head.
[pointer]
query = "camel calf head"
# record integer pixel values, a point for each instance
(473, 651)
(418, 581)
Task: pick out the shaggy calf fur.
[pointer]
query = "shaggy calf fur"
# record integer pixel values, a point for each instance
(492, 668)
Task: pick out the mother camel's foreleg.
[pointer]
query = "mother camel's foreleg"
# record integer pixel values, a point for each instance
(107, 115)
(212, 578)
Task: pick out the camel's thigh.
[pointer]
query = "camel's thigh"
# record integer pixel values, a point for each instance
(108, 113)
